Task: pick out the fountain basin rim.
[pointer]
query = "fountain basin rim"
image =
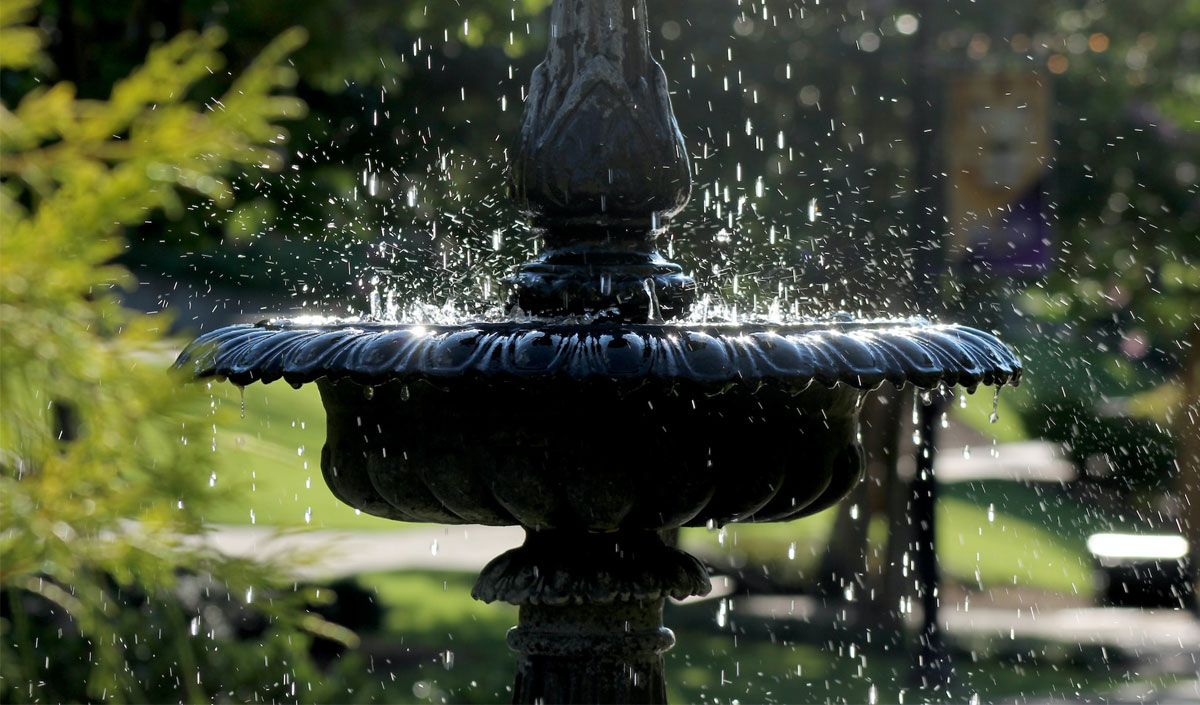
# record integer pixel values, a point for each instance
(861, 354)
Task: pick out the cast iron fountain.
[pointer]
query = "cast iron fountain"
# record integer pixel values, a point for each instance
(597, 437)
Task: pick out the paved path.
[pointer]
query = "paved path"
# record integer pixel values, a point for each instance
(333, 554)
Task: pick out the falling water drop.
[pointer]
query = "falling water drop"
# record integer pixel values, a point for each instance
(792, 551)
(991, 513)
(368, 393)
(433, 548)
(995, 407)
(654, 315)
(447, 659)
(962, 398)
(945, 420)
(405, 395)
(242, 394)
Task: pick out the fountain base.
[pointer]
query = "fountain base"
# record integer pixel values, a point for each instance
(591, 604)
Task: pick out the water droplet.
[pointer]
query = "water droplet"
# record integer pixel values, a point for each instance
(447, 659)
(368, 393)
(405, 395)
(433, 548)
(792, 551)
(991, 513)
(995, 407)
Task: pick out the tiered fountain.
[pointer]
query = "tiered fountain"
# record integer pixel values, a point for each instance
(595, 437)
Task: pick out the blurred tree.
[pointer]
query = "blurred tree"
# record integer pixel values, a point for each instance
(1126, 284)
(103, 480)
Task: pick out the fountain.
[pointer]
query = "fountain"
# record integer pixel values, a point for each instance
(597, 418)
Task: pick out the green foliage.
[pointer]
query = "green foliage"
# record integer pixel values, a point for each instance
(103, 475)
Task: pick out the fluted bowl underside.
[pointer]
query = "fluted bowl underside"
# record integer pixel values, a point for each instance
(596, 428)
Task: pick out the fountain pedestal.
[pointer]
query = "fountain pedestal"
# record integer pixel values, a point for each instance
(591, 606)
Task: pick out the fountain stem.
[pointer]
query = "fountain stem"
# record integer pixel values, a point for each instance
(591, 627)
(599, 169)
(591, 653)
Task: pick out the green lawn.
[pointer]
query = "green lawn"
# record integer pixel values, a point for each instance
(272, 457)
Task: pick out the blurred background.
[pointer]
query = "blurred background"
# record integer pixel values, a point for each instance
(1024, 167)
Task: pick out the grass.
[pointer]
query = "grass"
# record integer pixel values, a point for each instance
(272, 456)
(991, 534)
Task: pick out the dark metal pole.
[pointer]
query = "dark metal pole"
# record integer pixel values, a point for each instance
(933, 661)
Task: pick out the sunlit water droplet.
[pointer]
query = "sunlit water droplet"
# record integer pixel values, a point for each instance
(991, 513)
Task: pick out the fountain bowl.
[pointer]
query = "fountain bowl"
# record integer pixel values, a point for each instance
(597, 428)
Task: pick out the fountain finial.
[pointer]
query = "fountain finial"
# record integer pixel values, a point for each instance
(599, 168)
